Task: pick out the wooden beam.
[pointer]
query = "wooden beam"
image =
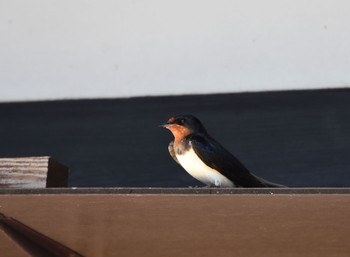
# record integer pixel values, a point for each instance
(32, 172)
(172, 225)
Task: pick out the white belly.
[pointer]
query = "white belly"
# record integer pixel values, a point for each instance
(197, 169)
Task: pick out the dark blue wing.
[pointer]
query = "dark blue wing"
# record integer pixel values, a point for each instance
(218, 158)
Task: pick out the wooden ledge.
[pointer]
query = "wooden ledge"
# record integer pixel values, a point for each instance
(124, 222)
(177, 191)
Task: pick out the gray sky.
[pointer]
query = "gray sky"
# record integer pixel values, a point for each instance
(86, 49)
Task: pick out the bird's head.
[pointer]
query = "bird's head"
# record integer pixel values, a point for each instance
(182, 126)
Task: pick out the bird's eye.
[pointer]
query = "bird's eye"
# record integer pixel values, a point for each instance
(180, 121)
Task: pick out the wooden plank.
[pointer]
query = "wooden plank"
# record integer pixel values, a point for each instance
(188, 225)
(32, 172)
(174, 191)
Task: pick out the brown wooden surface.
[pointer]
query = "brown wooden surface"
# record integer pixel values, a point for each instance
(32, 172)
(186, 225)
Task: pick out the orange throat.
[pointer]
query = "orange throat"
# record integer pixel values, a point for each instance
(179, 133)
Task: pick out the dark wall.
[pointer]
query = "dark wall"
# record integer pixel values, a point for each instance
(296, 138)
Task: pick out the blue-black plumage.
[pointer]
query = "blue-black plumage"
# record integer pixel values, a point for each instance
(206, 159)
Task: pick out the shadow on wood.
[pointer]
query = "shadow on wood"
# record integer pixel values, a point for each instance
(33, 242)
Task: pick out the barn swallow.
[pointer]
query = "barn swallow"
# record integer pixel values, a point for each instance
(205, 159)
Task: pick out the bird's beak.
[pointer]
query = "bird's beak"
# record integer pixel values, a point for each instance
(166, 125)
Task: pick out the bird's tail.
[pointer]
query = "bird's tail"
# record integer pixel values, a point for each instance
(268, 183)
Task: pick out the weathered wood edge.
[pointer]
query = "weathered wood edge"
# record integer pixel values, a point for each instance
(176, 191)
(32, 172)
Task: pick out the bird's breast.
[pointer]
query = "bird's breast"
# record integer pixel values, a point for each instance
(190, 161)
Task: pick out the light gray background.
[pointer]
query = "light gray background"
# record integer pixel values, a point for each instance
(86, 49)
